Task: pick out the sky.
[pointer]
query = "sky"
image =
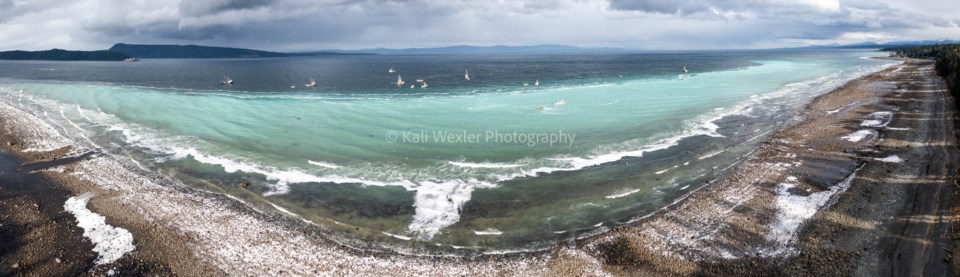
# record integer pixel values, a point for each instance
(305, 25)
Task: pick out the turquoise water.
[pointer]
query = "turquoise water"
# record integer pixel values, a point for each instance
(453, 164)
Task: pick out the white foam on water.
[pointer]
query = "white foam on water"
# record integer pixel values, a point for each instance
(661, 171)
(622, 194)
(37, 135)
(488, 232)
(483, 165)
(323, 164)
(710, 155)
(860, 135)
(898, 128)
(437, 205)
(890, 159)
(110, 242)
(397, 236)
(281, 209)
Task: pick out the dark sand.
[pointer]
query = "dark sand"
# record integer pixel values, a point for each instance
(893, 219)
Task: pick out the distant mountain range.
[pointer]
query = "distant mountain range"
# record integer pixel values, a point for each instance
(64, 55)
(871, 44)
(205, 52)
(467, 49)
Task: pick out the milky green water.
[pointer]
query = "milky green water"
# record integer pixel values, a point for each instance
(497, 167)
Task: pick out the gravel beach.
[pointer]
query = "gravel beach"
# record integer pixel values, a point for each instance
(864, 184)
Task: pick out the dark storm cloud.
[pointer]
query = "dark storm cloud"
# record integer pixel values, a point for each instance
(661, 6)
(205, 7)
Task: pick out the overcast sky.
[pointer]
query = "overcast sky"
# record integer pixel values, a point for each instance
(294, 25)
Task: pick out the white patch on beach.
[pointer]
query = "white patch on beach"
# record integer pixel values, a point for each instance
(878, 119)
(622, 194)
(890, 159)
(793, 210)
(488, 232)
(109, 242)
(860, 135)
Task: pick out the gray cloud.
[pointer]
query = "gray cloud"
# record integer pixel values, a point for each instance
(293, 25)
(199, 8)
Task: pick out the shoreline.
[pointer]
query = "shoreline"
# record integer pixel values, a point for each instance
(182, 230)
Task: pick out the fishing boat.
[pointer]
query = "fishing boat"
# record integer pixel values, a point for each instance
(391, 70)
(226, 80)
(312, 84)
(400, 81)
(424, 85)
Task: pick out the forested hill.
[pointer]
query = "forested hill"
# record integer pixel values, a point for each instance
(191, 51)
(64, 55)
(202, 52)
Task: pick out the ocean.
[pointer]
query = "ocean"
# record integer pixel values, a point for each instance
(531, 150)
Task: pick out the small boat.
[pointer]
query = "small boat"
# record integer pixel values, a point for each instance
(130, 59)
(685, 69)
(312, 84)
(413, 86)
(226, 80)
(537, 83)
(293, 86)
(419, 80)
(424, 85)
(466, 75)
(391, 70)
(400, 81)
(560, 102)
